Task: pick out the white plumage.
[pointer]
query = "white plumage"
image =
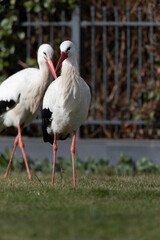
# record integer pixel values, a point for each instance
(66, 101)
(21, 95)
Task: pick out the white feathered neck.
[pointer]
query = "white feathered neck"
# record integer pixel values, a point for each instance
(70, 79)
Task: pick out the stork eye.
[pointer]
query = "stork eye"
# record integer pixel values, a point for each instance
(45, 54)
(68, 49)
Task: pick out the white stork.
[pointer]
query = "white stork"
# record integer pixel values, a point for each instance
(66, 103)
(21, 97)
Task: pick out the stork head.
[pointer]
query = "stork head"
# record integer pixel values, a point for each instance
(45, 54)
(67, 51)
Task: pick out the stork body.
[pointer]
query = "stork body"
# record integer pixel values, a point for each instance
(66, 103)
(21, 97)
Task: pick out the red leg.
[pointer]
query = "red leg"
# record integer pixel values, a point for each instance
(73, 153)
(54, 156)
(14, 148)
(21, 145)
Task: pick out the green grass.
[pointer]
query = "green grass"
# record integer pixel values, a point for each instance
(101, 207)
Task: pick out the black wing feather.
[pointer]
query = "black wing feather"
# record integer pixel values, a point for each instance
(46, 120)
(6, 104)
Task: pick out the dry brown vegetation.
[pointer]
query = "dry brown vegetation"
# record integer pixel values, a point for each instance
(150, 101)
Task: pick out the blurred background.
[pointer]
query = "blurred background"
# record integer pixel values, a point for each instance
(118, 45)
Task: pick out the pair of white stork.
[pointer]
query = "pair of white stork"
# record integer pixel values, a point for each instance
(65, 102)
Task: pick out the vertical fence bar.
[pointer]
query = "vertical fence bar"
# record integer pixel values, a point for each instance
(28, 49)
(140, 51)
(76, 35)
(140, 54)
(128, 58)
(40, 28)
(151, 45)
(63, 29)
(93, 64)
(76, 29)
(116, 62)
(39, 43)
(104, 67)
(51, 30)
(28, 53)
(151, 52)
(51, 39)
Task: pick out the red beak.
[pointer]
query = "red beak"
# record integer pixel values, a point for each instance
(51, 67)
(61, 59)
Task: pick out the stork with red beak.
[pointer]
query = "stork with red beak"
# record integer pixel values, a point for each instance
(21, 97)
(66, 103)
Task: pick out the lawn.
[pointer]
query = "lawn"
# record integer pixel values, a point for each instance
(101, 207)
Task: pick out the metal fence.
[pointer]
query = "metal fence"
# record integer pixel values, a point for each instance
(76, 26)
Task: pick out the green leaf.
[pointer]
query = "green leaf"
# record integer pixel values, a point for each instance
(4, 22)
(37, 8)
(21, 35)
(31, 62)
(151, 95)
(28, 5)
